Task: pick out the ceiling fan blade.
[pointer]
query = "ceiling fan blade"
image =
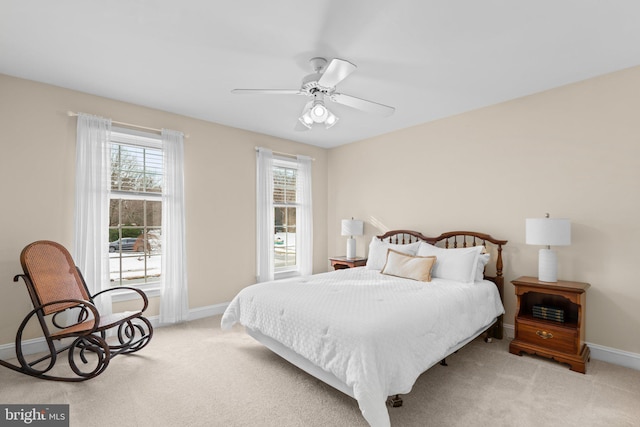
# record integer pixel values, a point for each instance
(268, 91)
(336, 71)
(362, 104)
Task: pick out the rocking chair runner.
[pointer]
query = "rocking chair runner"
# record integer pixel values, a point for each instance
(56, 286)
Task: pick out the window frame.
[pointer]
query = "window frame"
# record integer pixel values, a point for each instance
(292, 270)
(123, 136)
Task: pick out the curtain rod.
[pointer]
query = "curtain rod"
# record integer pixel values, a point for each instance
(72, 114)
(280, 153)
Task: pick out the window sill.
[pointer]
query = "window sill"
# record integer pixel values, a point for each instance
(151, 290)
(285, 274)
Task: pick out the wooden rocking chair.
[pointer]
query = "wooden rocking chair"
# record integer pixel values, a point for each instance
(56, 286)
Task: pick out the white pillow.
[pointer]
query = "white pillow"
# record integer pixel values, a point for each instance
(458, 264)
(408, 266)
(378, 252)
(483, 260)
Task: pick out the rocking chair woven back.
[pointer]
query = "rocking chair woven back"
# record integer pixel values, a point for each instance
(53, 275)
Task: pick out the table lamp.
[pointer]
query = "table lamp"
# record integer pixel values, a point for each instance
(352, 227)
(548, 232)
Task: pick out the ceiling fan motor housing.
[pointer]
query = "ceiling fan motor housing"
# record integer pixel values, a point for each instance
(311, 87)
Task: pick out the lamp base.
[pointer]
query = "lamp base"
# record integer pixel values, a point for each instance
(547, 266)
(351, 248)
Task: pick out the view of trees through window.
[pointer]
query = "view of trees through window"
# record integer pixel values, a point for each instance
(284, 202)
(135, 214)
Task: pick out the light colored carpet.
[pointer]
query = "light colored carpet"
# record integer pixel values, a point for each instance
(196, 375)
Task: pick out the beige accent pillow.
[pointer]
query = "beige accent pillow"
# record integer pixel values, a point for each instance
(408, 266)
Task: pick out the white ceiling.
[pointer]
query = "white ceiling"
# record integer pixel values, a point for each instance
(429, 59)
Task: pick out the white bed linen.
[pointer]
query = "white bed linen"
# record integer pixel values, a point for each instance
(375, 333)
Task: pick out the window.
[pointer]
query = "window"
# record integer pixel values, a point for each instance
(284, 214)
(135, 209)
(284, 220)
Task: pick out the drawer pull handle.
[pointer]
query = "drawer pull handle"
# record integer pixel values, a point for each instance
(544, 334)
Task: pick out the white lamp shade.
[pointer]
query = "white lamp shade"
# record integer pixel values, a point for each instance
(548, 231)
(352, 227)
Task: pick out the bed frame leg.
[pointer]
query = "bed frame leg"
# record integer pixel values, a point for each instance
(394, 401)
(488, 336)
(443, 362)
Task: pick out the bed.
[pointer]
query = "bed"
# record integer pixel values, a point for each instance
(371, 331)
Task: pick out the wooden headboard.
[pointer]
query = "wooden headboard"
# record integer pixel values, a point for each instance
(461, 239)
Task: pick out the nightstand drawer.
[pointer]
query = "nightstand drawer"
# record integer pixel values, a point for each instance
(553, 338)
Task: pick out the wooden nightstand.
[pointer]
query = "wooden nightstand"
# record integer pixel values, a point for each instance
(561, 340)
(340, 262)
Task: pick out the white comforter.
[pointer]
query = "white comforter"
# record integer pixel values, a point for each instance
(376, 333)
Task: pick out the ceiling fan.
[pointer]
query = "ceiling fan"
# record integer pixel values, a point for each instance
(321, 86)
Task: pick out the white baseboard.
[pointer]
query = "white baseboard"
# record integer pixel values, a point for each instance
(32, 346)
(38, 345)
(211, 310)
(600, 352)
(615, 356)
(509, 331)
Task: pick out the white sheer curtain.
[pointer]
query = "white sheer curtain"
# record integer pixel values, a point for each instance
(264, 213)
(174, 302)
(93, 183)
(304, 216)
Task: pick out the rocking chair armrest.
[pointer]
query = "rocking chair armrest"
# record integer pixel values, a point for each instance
(119, 288)
(79, 304)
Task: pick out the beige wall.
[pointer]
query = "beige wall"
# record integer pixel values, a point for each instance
(573, 152)
(37, 167)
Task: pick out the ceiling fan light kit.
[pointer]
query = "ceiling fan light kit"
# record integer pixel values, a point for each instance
(332, 119)
(316, 112)
(321, 85)
(306, 120)
(319, 112)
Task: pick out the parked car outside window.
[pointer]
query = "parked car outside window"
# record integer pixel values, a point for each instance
(126, 243)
